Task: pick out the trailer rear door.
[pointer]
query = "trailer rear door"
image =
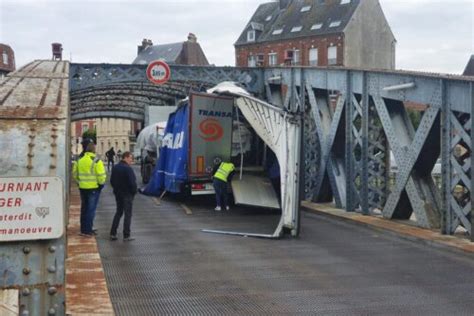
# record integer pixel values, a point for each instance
(210, 132)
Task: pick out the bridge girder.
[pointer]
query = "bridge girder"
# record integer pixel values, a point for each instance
(357, 118)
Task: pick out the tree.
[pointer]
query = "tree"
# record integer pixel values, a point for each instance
(90, 134)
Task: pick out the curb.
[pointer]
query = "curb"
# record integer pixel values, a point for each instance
(424, 236)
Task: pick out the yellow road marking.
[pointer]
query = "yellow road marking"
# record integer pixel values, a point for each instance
(186, 209)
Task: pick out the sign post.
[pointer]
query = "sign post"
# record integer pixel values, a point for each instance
(31, 208)
(158, 72)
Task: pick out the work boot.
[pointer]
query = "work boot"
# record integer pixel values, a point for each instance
(217, 209)
(128, 238)
(113, 237)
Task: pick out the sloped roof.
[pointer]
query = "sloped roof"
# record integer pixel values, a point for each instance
(167, 52)
(469, 71)
(319, 13)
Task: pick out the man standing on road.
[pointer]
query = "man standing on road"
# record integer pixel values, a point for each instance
(89, 173)
(110, 154)
(124, 184)
(223, 172)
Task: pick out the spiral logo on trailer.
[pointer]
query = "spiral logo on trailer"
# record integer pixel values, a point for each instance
(211, 130)
(158, 72)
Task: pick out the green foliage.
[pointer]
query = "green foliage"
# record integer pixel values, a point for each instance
(415, 117)
(90, 134)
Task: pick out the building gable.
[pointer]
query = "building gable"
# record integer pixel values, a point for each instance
(469, 70)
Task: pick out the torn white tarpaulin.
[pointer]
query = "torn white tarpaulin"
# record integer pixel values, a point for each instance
(280, 130)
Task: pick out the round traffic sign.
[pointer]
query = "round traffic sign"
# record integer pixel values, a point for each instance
(158, 72)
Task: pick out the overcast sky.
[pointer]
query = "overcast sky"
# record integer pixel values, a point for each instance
(432, 35)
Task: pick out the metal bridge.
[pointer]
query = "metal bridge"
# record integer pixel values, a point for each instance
(353, 119)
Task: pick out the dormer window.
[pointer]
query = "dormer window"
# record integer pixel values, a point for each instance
(345, 1)
(335, 24)
(305, 8)
(251, 36)
(277, 32)
(316, 26)
(296, 29)
(268, 18)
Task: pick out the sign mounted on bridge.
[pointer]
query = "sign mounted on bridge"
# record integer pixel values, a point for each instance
(158, 72)
(31, 208)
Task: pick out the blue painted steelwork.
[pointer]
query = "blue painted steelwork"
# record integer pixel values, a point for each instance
(356, 117)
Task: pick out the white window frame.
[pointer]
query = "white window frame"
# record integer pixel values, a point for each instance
(296, 29)
(5, 58)
(84, 127)
(305, 8)
(316, 26)
(345, 2)
(313, 62)
(272, 59)
(296, 57)
(251, 61)
(251, 36)
(335, 23)
(332, 55)
(277, 32)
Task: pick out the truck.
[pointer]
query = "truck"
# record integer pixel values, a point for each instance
(197, 133)
(229, 123)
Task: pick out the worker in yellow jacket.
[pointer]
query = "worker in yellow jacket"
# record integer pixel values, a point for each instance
(223, 172)
(89, 173)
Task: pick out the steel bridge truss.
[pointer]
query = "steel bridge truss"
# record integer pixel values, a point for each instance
(354, 121)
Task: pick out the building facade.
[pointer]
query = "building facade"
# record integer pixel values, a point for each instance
(110, 132)
(350, 33)
(77, 130)
(7, 60)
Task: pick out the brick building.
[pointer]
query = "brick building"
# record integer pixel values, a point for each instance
(351, 33)
(7, 60)
(77, 129)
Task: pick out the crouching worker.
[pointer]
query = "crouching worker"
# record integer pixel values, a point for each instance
(124, 184)
(223, 172)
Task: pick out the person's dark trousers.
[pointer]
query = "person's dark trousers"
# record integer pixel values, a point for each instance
(124, 206)
(88, 207)
(110, 162)
(221, 192)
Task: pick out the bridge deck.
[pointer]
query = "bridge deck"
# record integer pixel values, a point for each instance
(335, 268)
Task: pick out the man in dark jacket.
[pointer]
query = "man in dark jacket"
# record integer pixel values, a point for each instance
(124, 184)
(110, 154)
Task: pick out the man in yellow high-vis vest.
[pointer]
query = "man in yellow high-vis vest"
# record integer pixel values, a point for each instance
(89, 173)
(223, 172)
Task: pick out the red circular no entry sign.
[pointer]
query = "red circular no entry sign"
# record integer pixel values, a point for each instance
(158, 72)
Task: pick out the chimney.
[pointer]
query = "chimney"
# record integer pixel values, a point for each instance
(284, 4)
(192, 38)
(57, 49)
(145, 43)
